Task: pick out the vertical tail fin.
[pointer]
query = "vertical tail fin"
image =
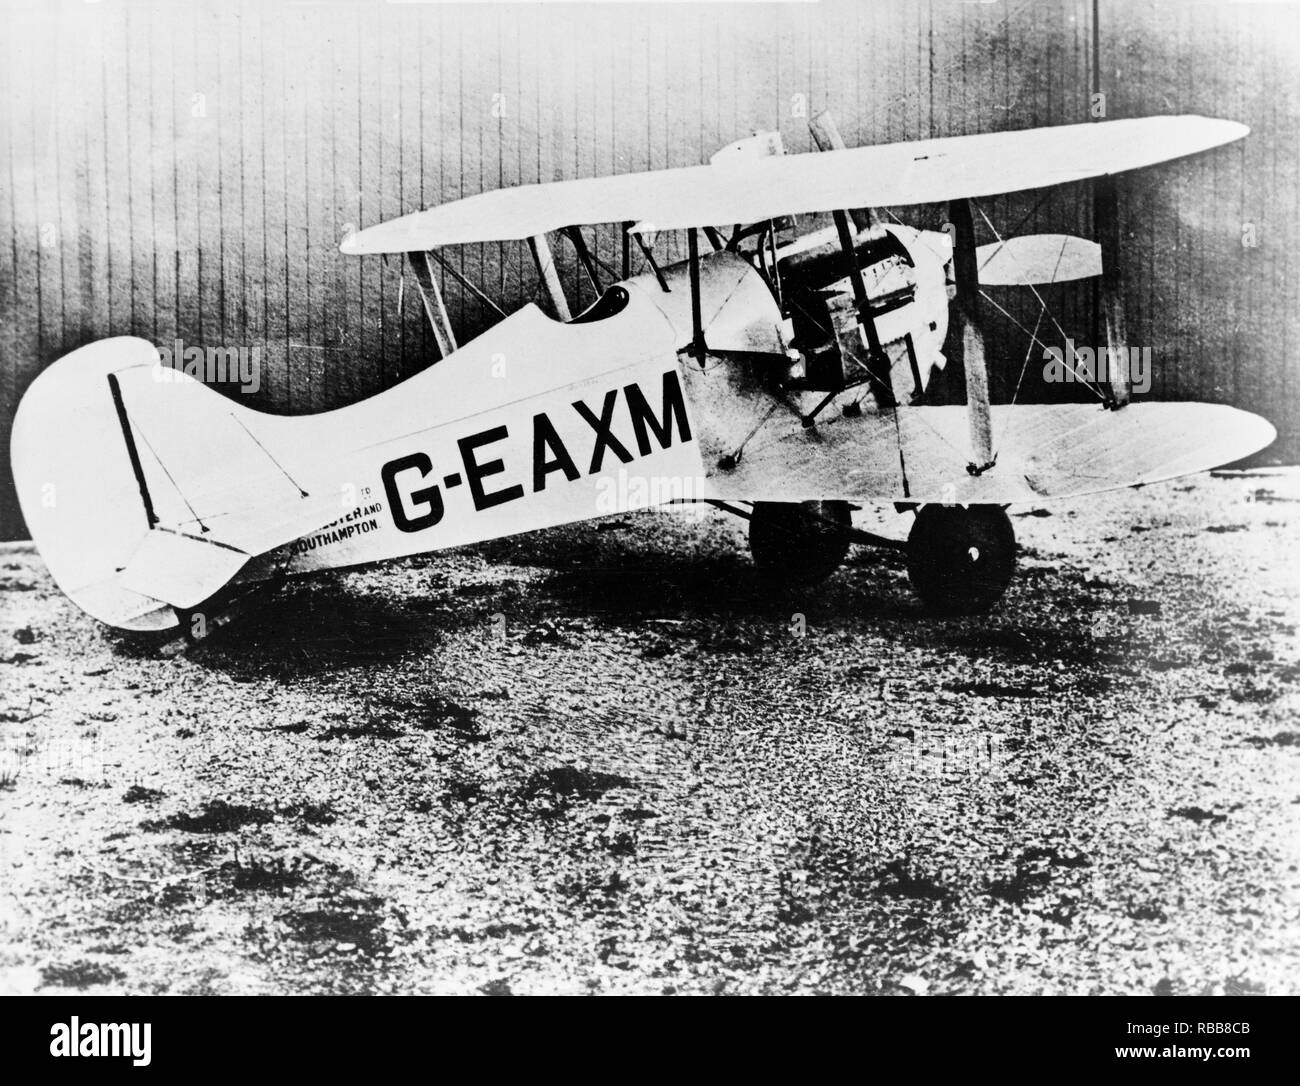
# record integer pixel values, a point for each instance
(146, 492)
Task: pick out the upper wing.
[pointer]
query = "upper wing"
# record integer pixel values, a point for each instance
(885, 175)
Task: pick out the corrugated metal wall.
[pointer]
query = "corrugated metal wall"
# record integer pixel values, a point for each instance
(180, 171)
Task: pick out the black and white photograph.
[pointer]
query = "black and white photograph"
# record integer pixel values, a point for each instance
(580, 498)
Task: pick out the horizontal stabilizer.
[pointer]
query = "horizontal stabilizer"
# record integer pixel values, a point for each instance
(182, 570)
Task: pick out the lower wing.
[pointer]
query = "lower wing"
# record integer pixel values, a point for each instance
(755, 448)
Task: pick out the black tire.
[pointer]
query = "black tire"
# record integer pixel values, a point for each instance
(961, 559)
(799, 544)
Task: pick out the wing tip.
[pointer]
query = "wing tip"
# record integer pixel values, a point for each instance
(1226, 130)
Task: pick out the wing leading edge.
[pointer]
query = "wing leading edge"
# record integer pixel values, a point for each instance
(752, 190)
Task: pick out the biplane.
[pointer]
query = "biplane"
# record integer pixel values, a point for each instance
(779, 375)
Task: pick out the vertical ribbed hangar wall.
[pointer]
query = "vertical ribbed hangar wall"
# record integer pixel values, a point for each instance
(178, 171)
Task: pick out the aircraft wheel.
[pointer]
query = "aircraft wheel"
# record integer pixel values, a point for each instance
(799, 543)
(960, 560)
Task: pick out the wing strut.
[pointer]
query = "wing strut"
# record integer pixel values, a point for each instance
(574, 234)
(966, 272)
(541, 250)
(877, 360)
(1105, 202)
(1105, 219)
(697, 323)
(650, 259)
(450, 269)
(826, 134)
(434, 310)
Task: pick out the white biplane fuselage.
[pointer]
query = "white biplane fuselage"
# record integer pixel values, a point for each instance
(609, 441)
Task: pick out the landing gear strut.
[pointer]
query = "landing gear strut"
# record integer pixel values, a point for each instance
(960, 559)
(799, 544)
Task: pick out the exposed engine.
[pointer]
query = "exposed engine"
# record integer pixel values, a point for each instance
(797, 303)
(903, 271)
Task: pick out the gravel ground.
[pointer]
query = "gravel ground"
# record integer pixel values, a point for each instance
(603, 759)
